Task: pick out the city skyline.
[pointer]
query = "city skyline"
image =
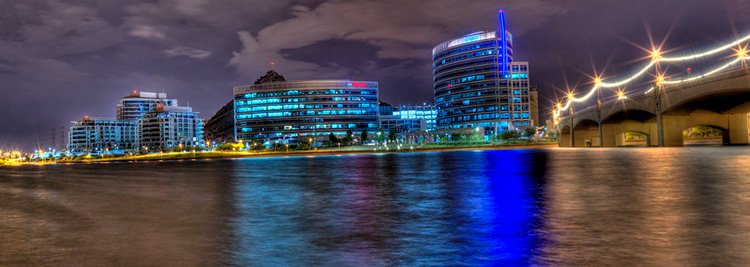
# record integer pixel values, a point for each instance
(63, 50)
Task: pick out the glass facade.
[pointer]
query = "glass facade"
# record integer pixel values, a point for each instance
(410, 118)
(477, 84)
(290, 110)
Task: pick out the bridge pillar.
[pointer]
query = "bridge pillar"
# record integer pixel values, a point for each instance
(600, 139)
(660, 130)
(609, 135)
(565, 140)
(671, 129)
(739, 132)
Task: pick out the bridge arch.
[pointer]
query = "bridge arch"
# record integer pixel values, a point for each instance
(714, 134)
(617, 124)
(586, 133)
(725, 109)
(723, 101)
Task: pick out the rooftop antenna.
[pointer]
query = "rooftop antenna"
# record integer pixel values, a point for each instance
(272, 65)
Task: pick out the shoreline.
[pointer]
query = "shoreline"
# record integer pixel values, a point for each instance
(240, 155)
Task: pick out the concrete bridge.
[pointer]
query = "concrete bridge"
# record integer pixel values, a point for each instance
(721, 101)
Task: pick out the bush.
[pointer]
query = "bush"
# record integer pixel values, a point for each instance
(230, 146)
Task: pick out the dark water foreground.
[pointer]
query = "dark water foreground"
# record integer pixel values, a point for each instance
(583, 207)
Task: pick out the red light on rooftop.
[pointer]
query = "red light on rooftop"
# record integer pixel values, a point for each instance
(357, 84)
(690, 69)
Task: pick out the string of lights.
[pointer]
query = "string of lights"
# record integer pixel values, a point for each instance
(656, 57)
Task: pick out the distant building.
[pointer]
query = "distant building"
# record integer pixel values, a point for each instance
(139, 115)
(406, 119)
(534, 107)
(426, 113)
(478, 85)
(297, 110)
(170, 126)
(135, 105)
(100, 134)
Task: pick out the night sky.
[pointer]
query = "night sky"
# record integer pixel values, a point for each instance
(63, 59)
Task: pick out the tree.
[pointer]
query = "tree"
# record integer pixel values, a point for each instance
(332, 138)
(529, 132)
(380, 136)
(455, 137)
(508, 135)
(363, 136)
(349, 136)
(392, 134)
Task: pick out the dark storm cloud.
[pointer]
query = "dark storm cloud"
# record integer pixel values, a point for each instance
(62, 59)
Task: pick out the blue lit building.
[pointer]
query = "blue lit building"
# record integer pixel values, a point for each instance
(407, 119)
(478, 85)
(299, 110)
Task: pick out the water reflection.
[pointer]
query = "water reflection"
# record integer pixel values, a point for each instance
(567, 207)
(459, 208)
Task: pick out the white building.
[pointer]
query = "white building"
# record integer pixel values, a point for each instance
(102, 134)
(135, 105)
(144, 119)
(171, 126)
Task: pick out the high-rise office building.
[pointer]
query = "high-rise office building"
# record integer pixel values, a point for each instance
(298, 110)
(477, 83)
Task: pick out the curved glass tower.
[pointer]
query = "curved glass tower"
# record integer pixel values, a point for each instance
(477, 84)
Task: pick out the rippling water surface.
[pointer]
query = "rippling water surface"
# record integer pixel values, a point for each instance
(584, 207)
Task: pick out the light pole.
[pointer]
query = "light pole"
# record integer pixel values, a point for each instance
(599, 116)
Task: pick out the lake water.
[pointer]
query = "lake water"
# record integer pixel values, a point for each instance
(686, 206)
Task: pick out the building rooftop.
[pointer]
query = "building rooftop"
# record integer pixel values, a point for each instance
(139, 94)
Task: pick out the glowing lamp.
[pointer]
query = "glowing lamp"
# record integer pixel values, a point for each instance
(570, 95)
(655, 54)
(597, 80)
